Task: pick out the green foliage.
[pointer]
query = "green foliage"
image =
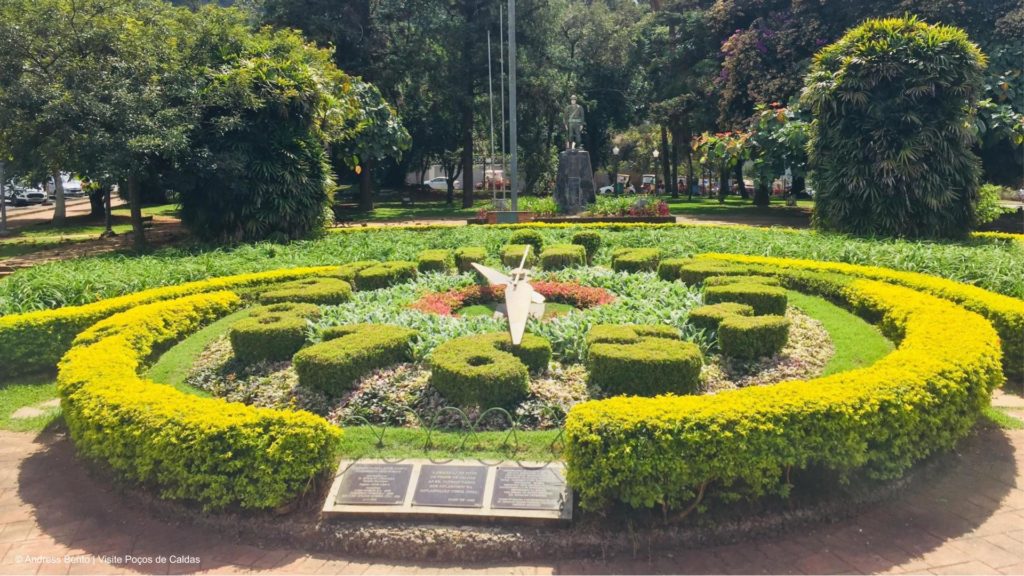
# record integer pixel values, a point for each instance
(385, 274)
(325, 291)
(642, 360)
(560, 256)
(763, 299)
(348, 352)
(591, 242)
(348, 272)
(487, 370)
(512, 255)
(750, 337)
(436, 261)
(527, 236)
(724, 280)
(271, 333)
(891, 140)
(708, 317)
(465, 256)
(988, 208)
(636, 259)
(691, 272)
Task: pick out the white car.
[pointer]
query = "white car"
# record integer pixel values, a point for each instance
(606, 190)
(440, 183)
(20, 196)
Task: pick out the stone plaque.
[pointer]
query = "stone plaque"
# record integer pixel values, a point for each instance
(528, 489)
(375, 484)
(453, 486)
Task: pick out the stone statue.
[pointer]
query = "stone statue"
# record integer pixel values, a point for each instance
(573, 120)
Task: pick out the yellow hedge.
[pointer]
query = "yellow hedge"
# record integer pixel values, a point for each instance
(206, 450)
(665, 451)
(35, 341)
(1006, 313)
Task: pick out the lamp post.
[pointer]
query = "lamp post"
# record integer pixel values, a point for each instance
(3, 202)
(616, 186)
(654, 185)
(512, 124)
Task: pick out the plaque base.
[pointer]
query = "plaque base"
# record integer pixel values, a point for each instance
(463, 490)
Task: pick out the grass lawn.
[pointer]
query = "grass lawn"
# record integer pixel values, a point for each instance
(857, 343)
(735, 206)
(168, 210)
(27, 391)
(1001, 419)
(386, 211)
(362, 442)
(173, 365)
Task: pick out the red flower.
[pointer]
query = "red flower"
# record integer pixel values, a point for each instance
(445, 303)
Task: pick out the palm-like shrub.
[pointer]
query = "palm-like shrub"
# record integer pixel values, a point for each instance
(890, 145)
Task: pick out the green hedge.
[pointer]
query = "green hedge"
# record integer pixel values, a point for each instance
(348, 272)
(512, 255)
(636, 259)
(693, 272)
(591, 242)
(642, 360)
(562, 256)
(763, 299)
(708, 317)
(750, 337)
(436, 261)
(385, 274)
(467, 255)
(349, 352)
(323, 291)
(486, 370)
(527, 236)
(746, 279)
(271, 333)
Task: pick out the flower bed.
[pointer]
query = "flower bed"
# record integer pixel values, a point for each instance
(446, 303)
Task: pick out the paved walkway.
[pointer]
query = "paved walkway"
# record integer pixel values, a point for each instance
(55, 518)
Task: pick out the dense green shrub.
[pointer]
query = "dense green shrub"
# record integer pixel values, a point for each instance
(894, 102)
(385, 274)
(487, 370)
(528, 236)
(692, 272)
(563, 256)
(746, 279)
(635, 259)
(591, 242)
(512, 255)
(763, 299)
(348, 352)
(750, 337)
(642, 360)
(324, 291)
(467, 255)
(348, 272)
(989, 206)
(436, 261)
(271, 333)
(708, 318)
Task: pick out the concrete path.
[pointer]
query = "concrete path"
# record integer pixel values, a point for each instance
(56, 519)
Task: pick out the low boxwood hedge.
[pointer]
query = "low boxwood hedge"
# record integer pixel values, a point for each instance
(762, 298)
(512, 255)
(744, 279)
(750, 337)
(271, 333)
(385, 274)
(349, 352)
(708, 317)
(527, 236)
(323, 291)
(347, 272)
(206, 450)
(591, 242)
(642, 360)
(562, 256)
(487, 370)
(693, 272)
(467, 255)
(636, 259)
(436, 261)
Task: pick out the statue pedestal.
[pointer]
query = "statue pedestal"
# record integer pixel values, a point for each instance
(574, 188)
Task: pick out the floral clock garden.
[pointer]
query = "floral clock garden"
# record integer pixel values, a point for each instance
(664, 381)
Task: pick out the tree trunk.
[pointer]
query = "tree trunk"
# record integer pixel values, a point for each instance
(799, 186)
(138, 233)
(666, 162)
(762, 192)
(723, 184)
(675, 165)
(60, 205)
(689, 173)
(366, 187)
(96, 203)
(108, 231)
(738, 174)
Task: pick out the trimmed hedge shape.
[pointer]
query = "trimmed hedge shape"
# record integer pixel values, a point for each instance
(349, 352)
(750, 337)
(1005, 313)
(436, 261)
(726, 280)
(531, 237)
(635, 259)
(347, 272)
(205, 450)
(763, 299)
(512, 255)
(708, 317)
(692, 272)
(271, 333)
(323, 291)
(642, 360)
(487, 370)
(35, 341)
(879, 420)
(467, 255)
(385, 274)
(591, 242)
(562, 256)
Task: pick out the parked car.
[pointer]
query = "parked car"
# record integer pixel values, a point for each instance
(440, 183)
(23, 196)
(73, 189)
(606, 190)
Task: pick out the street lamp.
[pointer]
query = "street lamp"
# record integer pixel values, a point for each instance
(615, 177)
(655, 154)
(3, 202)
